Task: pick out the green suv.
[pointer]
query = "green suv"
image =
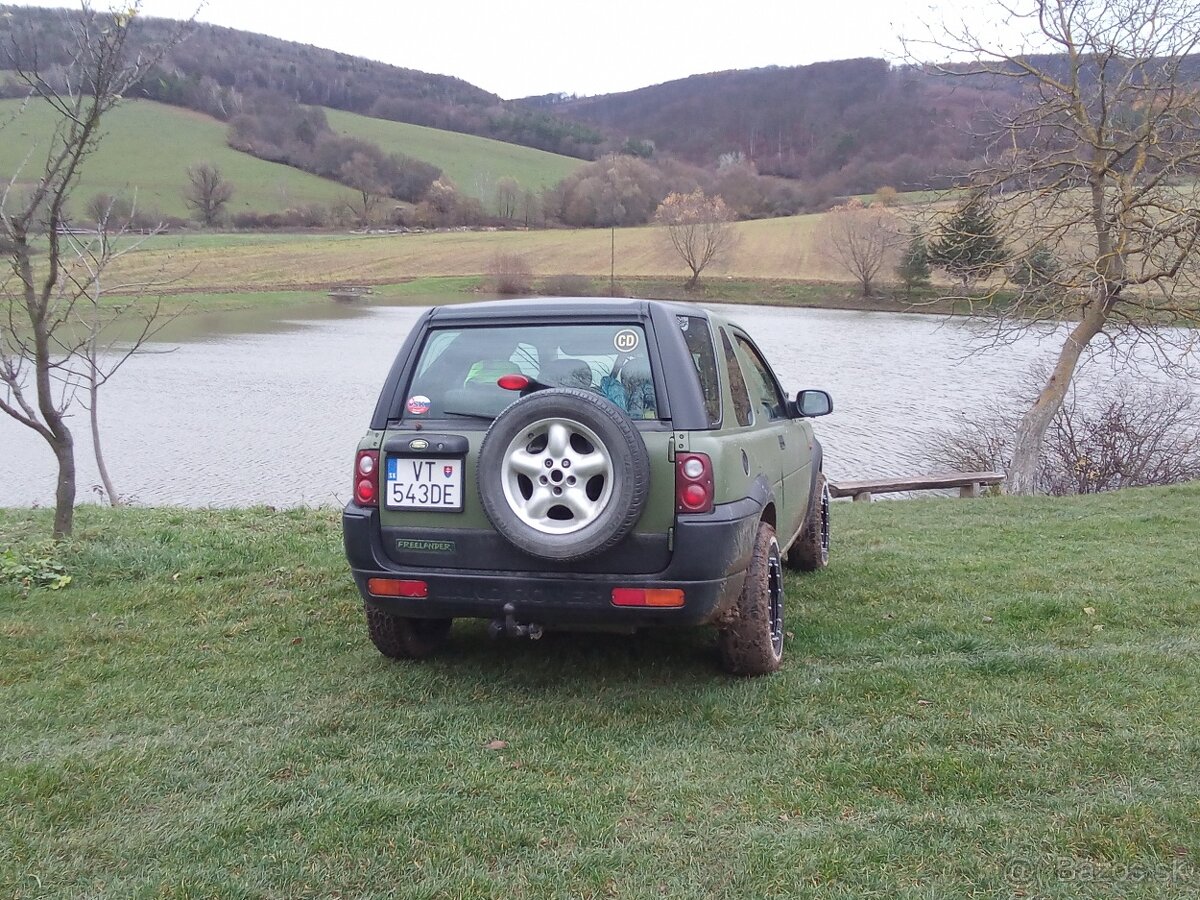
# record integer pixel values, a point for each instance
(585, 464)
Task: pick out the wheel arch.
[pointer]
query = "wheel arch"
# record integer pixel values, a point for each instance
(818, 465)
(768, 515)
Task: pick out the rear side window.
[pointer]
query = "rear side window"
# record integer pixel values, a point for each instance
(764, 392)
(698, 337)
(737, 384)
(457, 370)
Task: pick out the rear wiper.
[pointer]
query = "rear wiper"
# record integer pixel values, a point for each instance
(469, 415)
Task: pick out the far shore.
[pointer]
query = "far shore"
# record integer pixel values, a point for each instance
(461, 289)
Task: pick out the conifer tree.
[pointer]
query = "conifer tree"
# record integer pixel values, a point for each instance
(913, 269)
(968, 245)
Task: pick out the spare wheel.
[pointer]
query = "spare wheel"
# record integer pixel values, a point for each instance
(563, 474)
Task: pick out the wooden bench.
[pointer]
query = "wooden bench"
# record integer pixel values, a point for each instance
(968, 484)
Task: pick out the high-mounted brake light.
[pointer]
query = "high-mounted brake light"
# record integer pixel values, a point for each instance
(513, 382)
(693, 483)
(366, 465)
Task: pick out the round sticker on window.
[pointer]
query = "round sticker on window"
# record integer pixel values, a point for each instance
(418, 405)
(626, 340)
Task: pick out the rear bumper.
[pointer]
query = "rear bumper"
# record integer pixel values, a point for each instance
(708, 563)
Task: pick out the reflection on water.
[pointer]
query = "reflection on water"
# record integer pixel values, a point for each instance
(267, 406)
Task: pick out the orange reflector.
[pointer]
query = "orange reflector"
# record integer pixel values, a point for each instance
(394, 587)
(647, 597)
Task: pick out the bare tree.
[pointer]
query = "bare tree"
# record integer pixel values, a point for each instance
(700, 229)
(361, 173)
(107, 211)
(860, 240)
(40, 290)
(108, 336)
(530, 207)
(207, 193)
(508, 193)
(1095, 163)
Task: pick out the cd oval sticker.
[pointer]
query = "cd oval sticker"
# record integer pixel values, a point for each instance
(418, 405)
(626, 340)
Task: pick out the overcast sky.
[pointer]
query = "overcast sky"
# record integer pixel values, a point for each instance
(523, 47)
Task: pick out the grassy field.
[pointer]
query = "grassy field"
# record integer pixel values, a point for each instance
(473, 163)
(779, 249)
(147, 147)
(991, 698)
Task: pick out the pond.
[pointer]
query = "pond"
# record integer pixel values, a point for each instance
(266, 406)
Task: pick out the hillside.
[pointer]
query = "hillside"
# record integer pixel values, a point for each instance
(215, 70)
(843, 127)
(857, 123)
(985, 698)
(473, 163)
(147, 147)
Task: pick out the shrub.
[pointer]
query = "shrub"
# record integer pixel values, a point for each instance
(1124, 434)
(33, 567)
(313, 215)
(568, 286)
(509, 273)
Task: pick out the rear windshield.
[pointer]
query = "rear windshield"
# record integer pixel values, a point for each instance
(457, 371)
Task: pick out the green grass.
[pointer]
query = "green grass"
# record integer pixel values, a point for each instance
(970, 688)
(147, 147)
(473, 163)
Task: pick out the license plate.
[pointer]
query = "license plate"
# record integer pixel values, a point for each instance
(424, 483)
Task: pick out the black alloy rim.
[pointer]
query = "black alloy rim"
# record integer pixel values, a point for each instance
(775, 593)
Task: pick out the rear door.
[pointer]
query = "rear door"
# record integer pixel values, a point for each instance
(431, 511)
(755, 433)
(791, 453)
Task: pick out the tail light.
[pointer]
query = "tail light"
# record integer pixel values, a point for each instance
(693, 483)
(366, 478)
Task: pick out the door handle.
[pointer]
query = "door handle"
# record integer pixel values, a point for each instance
(782, 443)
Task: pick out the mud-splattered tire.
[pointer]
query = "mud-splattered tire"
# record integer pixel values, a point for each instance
(752, 644)
(811, 549)
(402, 638)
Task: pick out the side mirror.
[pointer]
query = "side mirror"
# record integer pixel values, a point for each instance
(813, 403)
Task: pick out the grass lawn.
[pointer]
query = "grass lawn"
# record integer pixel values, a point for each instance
(988, 698)
(147, 148)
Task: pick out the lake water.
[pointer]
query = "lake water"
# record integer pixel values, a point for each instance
(267, 406)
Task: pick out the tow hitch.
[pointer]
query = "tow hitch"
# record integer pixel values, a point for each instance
(510, 627)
